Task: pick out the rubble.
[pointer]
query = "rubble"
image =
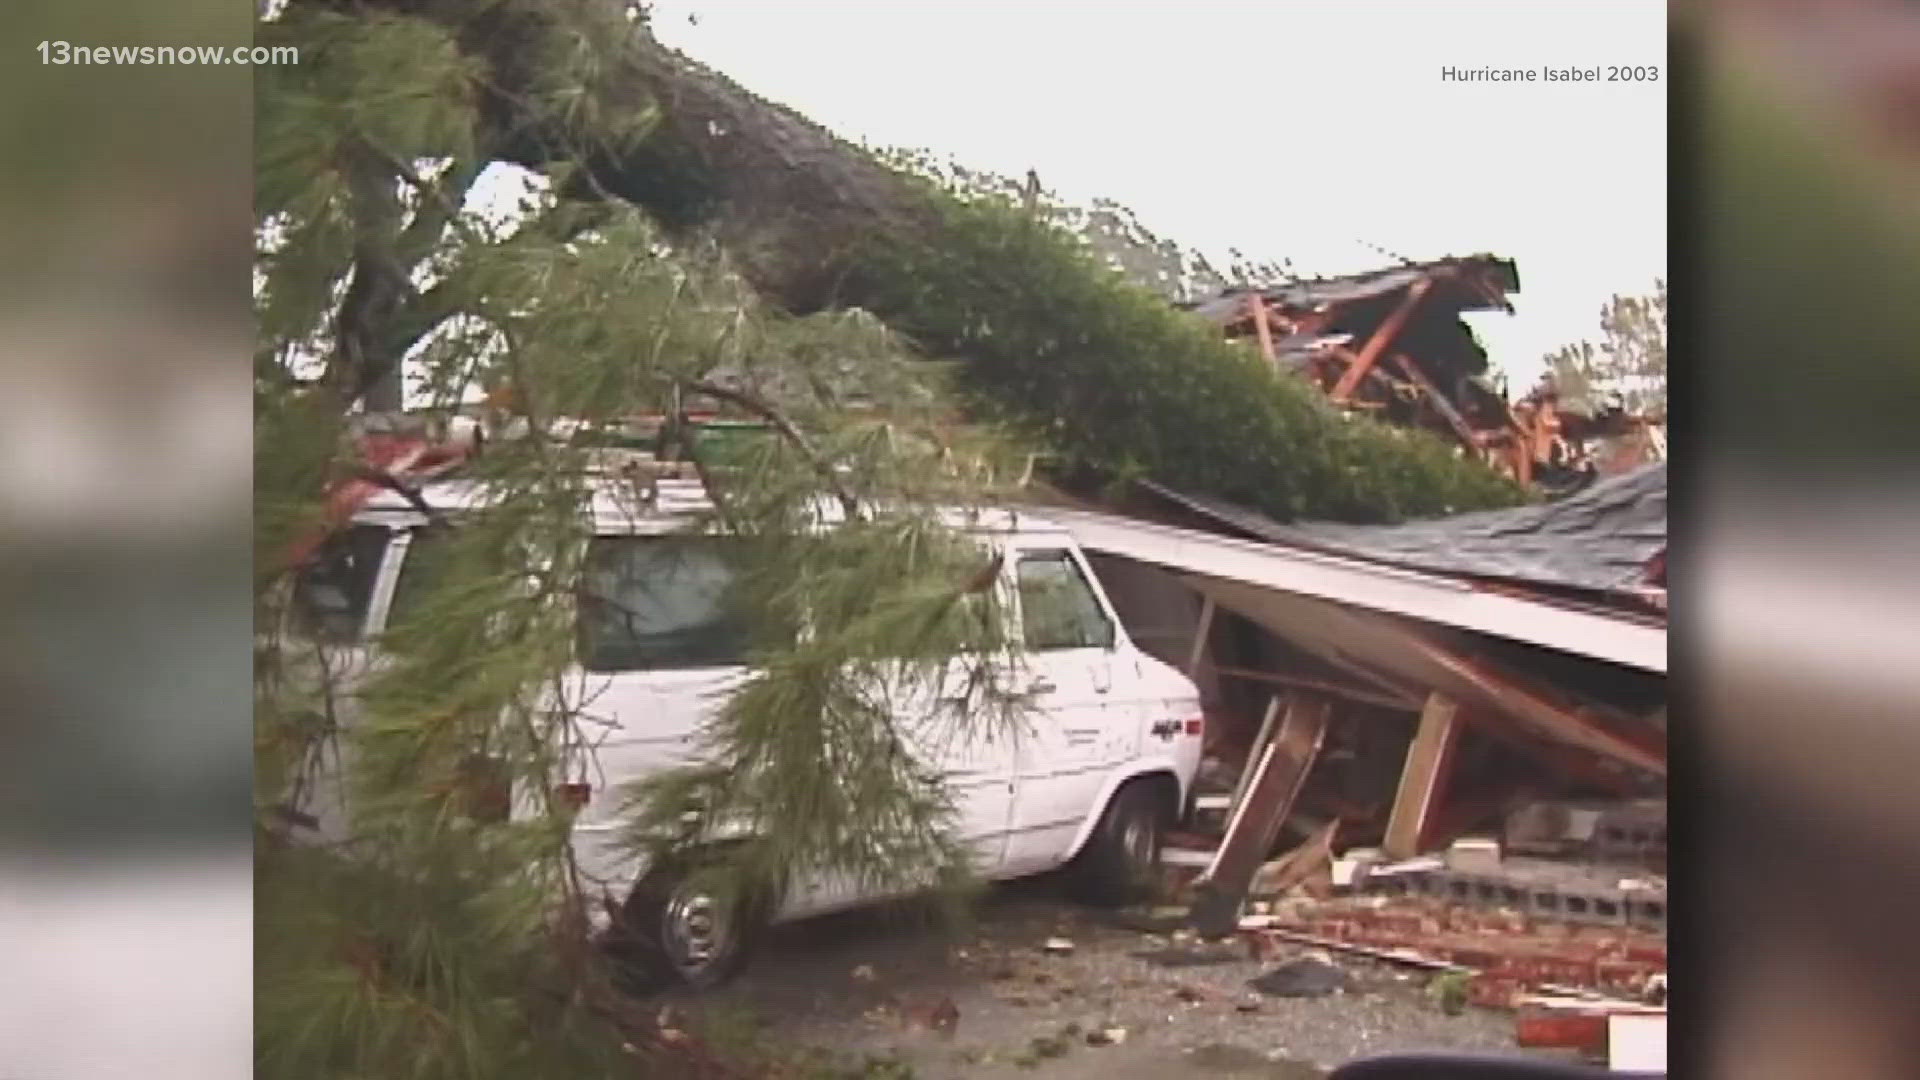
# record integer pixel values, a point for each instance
(1506, 954)
(1305, 977)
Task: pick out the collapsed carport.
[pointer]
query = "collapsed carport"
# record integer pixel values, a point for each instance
(1399, 686)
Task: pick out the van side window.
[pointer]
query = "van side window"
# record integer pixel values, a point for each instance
(660, 602)
(331, 593)
(1058, 608)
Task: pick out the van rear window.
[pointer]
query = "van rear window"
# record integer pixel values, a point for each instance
(661, 602)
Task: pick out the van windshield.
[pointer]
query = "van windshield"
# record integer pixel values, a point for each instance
(661, 602)
(331, 593)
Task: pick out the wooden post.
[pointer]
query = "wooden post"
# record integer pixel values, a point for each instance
(1256, 820)
(1383, 336)
(1428, 757)
(1254, 751)
(1201, 632)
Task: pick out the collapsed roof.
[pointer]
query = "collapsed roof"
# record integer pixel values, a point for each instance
(1468, 283)
(1602, 539)
(1392, 343)
(1327, 327)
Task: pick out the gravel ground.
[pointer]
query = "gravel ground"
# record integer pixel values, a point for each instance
(876, 986)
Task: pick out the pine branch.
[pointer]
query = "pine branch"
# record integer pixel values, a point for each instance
(405, 490)
(766, 411)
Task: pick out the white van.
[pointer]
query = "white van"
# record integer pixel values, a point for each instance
(1102, 767)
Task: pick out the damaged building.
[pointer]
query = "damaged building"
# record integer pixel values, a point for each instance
(1391, 343)
(1465, 713)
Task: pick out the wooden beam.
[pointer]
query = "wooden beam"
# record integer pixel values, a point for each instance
(1440, 403)
(1423, 776)
(1558, 758)
(1546, 715)
(1302, 682)
(1255, 750)
(1374, 374)
(1256, 820)
(1297, 865)
(1202, 630)
(1383, 336)
(1258, 306)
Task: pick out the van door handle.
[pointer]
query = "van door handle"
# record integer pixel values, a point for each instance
(1081, 735)
(1042, 685)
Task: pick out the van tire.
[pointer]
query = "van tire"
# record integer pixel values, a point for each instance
(1120, 863)
(678, 929)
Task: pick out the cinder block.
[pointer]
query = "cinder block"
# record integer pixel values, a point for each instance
(1476, 854)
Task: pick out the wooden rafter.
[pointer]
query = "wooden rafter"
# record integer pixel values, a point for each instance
(1544, 713)
(1383, 336)
(1440, 403)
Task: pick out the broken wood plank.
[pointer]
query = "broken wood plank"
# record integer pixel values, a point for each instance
(1383, 336)
(1421, 778)
(1405, 957)
(1298, 864)
(1255, 823)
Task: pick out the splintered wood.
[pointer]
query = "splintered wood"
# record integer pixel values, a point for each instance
(1281, 766)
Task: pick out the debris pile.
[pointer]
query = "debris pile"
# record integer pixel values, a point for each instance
(1508, 955)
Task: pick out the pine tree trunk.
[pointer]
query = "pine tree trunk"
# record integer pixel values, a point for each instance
(784, 197)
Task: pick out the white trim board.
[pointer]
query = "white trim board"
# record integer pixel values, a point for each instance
(1428, 597)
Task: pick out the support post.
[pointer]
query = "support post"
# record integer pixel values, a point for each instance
(1202, 630)
(1421, 779)
(1383, 336)
(1257, 817)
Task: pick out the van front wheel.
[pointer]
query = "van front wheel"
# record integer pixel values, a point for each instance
(1121, 861)
(688, 923)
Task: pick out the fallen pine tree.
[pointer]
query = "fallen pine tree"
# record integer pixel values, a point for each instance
(1102, 370)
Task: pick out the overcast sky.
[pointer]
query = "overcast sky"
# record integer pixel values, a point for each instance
(1295, 129)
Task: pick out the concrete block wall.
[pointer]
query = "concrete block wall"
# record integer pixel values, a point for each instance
(1567, 898)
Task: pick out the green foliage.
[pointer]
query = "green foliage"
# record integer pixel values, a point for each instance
(812, 753)
(1629, 365)
(1106, 373)
(1448, 992)
(429, 944)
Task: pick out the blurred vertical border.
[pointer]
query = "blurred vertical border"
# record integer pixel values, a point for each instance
(1801, 628)
(125, 936)
(125, 420)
